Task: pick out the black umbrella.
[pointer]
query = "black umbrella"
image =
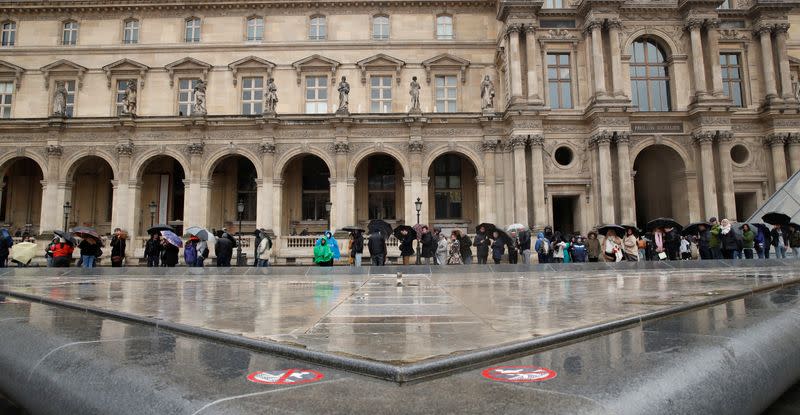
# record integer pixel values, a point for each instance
(85, 232)
(694, 228)
(603, 230)
(411, 232)
(488, 226)
(776, 218)
(501, 235)
(378, 225)
(663, 223)
(160, 227)
(67, 236)
(352, 229)
(762, 227)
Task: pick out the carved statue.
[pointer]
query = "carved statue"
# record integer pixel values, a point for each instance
(795, 87)
(414, 92)
(487, 93)
(344, 96)
(199, 98)
(60, 100)
(129, 99)
(271, 97)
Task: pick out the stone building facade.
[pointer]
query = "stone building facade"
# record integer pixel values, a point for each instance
(598, 111)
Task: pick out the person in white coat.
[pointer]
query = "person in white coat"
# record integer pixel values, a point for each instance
(264, 252)
(442, 249)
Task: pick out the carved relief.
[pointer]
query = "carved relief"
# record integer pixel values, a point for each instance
(54, 150)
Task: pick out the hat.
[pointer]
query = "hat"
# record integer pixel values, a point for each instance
(712, 219)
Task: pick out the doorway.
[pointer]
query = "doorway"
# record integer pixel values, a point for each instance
(746, 204)
(565, 214)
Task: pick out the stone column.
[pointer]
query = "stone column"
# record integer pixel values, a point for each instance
(537, 181)
(775, 141)
(626, 196)
(197, 189)
(517, 143)
(342, 213)
(787, 92)
(764, 32)
(614, 27)
(415, 149)
(694, 25)
(277, 203)
(713, 52)
(266, 195)
(123, 211)
(53, 192)
(728, 198)
(534, 95)
(704, 139)
(606, 182)
(515, 64)
(487, 210)
(596, 28)
(794, 152)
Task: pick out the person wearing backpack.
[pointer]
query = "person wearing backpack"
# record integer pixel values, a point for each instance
(190, 251)
(542, 247)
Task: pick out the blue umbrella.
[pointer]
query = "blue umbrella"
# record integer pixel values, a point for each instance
(172, 238)
(331, 241)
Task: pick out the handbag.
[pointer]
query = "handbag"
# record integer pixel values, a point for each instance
(116, 258)
(662, 255)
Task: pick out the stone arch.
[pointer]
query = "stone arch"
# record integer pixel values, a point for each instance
(7, 159)
(71, 164)
(140, 163)
(660, 184)
(284, 159)
(461, 150)
(642, 144)
(364, 154)
(661, 37)
(216, 157)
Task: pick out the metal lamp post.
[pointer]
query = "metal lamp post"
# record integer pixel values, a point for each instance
(67, 209)
(153, 207)
(418, 206)
(328, 206)
(240, 210)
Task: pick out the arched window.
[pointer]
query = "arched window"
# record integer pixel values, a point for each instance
(9, 33)
(192, 30)
(444, 27)
(130, 32)
(317, 29)
(649, 76)
(255, 29)
(380, 27)
(70, 33)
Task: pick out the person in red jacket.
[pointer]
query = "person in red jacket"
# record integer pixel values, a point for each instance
(62, 253)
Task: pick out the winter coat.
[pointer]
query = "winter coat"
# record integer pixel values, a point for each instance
(455, 253)
(88, 249)
(322, 253)
(630, 246)
(442, 247)
(748, 239)
(482, 244)
(498, 248)
(4, 248)
(377, 245)
(579, 252)
(62, 250)
(224, 248)
(714, 241)
(794, 239)
(428, 246)
(672, 241)
(358, 244)
(542, 245)
(407, 246)
(466, 246)
(152, 248)
(170, 257)
(264, 249)
(704, 241)
(728, 241)
(776, 235)
(593, 248)
(117, 247)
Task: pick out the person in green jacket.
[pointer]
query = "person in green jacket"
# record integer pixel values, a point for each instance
(715, 243)
(322, 253)
(748, 238)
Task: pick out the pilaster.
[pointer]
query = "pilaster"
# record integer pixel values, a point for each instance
(532, 66)
(727, 196)
(626, 196)
(794, 152)
(602, 140)
(776, 142)
(540, 219)
(515, 63)
(705, 139)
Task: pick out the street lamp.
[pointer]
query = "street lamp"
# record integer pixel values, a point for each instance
(153, 207)
(418, 206)
(67, 209)
(328, 206)
(240, 209)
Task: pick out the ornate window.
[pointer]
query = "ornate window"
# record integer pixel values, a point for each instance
(318, 29)
(316, 94)
(554, 4)
(130, 32)
(186, 96)
(559, 80)
(255, 29)
(380, 27)
(731, 66)
(447, 187)
(252, 95)
(380, 95)
(444, 27)
(192, 30)
(446, 93)
(649, 76)
(69, 34)
(9, 35)
(6, 97)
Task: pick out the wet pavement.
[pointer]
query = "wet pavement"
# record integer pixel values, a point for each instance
(367, 316)
(735, 357)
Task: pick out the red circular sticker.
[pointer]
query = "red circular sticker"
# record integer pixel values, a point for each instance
(519, 374)
(285, 377)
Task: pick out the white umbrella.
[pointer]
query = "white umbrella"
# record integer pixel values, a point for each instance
(23, 252)
(517, 227)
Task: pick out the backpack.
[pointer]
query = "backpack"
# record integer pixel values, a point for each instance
(544, 247)
(190, 254)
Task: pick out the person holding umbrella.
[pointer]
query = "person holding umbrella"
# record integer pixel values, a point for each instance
(377, 248)
(90, 251)
(62, 250)
(442, 248)
(406, 236)
(612, 246)
(465, 245)
(714, 242)
(454, 254)
(482, 243)
(152, 250)
(672, 243)
(630, 245)
(780, 240)
(428, 245)
(748, 241)
(118, 248)
(169, 252)
(224, 249)
(498, 247)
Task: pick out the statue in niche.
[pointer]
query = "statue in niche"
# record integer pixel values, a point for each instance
(271, 97)
(795, 87)
(344, 96)
(199, 92)
(129, 99)
(414, 92)
(487, 94)
(60, 100)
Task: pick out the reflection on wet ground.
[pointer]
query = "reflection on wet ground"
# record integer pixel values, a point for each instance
(369, 316)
